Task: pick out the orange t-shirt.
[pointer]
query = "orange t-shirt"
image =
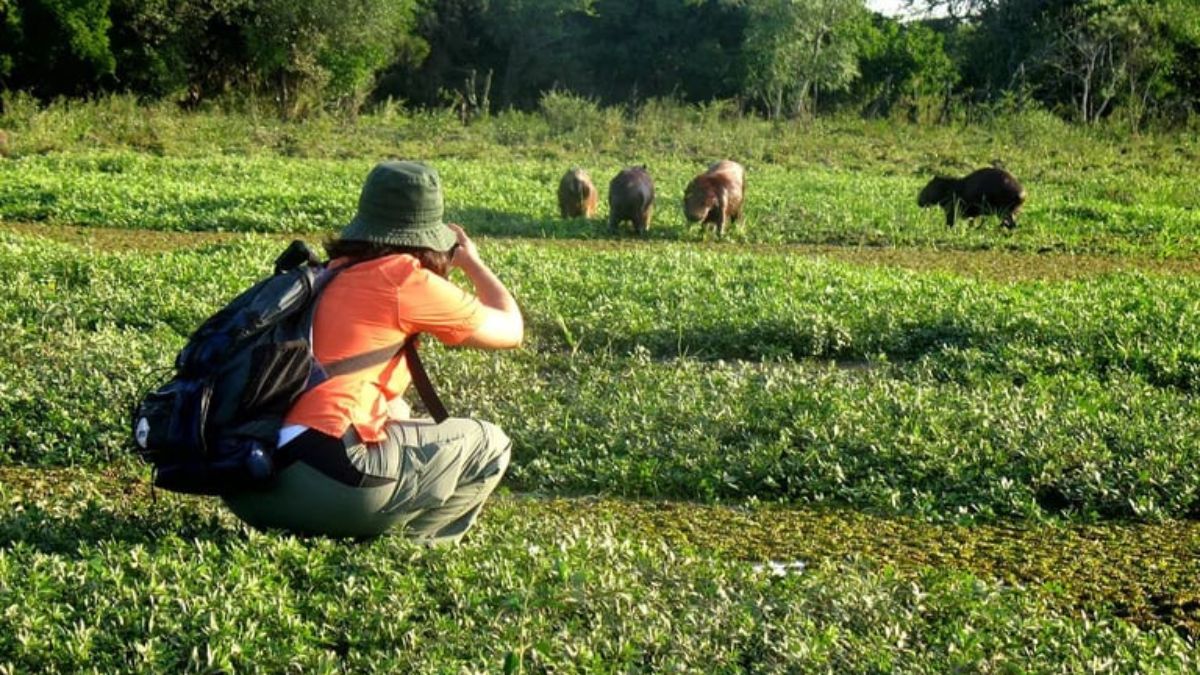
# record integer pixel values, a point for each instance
(367, 307)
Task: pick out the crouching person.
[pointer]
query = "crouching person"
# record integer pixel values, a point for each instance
(351, 467)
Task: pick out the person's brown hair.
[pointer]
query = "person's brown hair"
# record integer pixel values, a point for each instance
(437, 262)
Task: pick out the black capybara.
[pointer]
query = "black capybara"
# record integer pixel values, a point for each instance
(986, 191)
(631, 197)
(576, 194)
(715, 196)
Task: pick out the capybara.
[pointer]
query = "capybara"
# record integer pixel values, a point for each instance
(715, 196)
(631, 197)
(576, 194)
(986, 191)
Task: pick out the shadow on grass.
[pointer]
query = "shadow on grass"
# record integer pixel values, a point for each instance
(769, 339)
(56, 531)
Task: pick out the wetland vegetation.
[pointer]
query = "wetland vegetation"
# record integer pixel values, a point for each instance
(982, 445)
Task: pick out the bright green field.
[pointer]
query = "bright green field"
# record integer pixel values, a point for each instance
(983, 447)
(515, 198)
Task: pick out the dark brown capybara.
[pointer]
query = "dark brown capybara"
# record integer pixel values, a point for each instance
(715, 196)
(631, 197)
(576, 194)
(986, 191)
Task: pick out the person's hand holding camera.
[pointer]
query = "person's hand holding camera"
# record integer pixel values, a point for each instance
(503, 327)
(464, 252)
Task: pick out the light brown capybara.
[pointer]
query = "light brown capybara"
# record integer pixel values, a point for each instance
(631, 197)
(576, 194)
(986, 191)
(716, 195)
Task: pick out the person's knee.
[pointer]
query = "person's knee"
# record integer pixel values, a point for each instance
(498, 445)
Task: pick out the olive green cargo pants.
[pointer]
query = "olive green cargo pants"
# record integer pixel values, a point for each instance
(427, 480)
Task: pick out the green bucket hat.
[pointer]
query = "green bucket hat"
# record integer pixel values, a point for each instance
(401, 205)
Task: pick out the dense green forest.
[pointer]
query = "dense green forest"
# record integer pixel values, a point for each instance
(1133, 62)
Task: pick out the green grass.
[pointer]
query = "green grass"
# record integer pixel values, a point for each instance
(701, 304)
(982, 445)
(990, 265)
(94, 577)
(813, 204)
(840, 181)
(956, 398)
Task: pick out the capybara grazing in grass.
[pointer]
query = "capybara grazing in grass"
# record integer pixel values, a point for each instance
(986, 191)
(631, 197)
(576, 194)
(715, 196)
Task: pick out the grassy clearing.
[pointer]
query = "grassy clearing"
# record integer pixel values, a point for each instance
(105, 580)
(892, 441)
(982, 444)
(677, 301)
(703, 305)
(815, 205)
(967, 399)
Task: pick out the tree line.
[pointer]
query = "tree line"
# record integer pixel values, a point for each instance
(1086, 60)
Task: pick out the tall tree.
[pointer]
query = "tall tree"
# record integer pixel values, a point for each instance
(798, 48)
(185, 49)
(902, 64)
(537, 38)
(690, 49)
(1118, 52)
(327, 51)
(956, 10)
(461, 63)
(55, 47)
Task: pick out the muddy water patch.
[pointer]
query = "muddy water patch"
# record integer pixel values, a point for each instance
(1148, 573)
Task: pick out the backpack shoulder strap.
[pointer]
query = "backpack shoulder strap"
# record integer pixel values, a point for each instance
(355, 363)
(429, 396)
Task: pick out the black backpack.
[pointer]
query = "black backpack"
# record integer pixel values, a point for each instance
(213, 428)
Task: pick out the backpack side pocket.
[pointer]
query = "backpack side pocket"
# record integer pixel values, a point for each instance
(171, 419)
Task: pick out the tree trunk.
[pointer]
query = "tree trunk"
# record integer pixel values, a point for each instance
(512, 70)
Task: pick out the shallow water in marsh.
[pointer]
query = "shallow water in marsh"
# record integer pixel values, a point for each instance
(1147, 573)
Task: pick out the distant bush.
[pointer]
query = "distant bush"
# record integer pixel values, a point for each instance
(572, 118)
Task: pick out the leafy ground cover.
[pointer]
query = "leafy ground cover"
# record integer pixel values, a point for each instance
(105, 580)
(980, 447)
(812, 204)
(678, 301)
(953, 399)
(1144, 572)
